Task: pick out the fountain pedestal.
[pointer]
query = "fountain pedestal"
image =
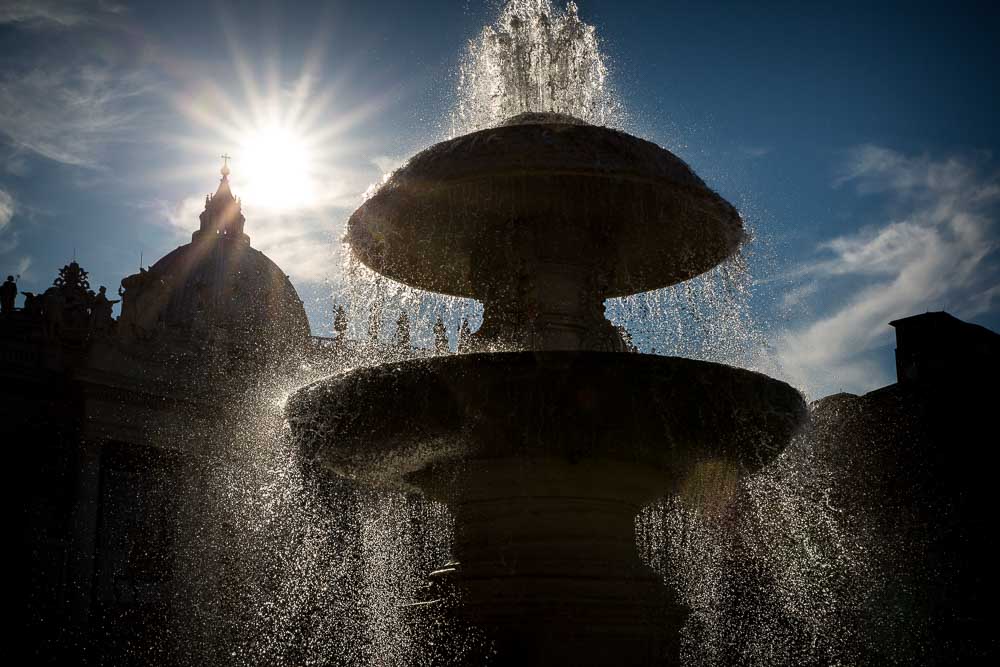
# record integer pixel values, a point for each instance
(547, 565)
(546, 456)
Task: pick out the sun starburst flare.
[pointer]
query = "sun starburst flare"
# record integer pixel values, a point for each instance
(277, 169)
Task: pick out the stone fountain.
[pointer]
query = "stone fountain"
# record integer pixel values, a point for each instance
(547, 439)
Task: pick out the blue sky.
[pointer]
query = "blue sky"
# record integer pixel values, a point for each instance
(858, 139)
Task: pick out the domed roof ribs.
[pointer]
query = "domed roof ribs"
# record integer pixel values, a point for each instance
(223, 214)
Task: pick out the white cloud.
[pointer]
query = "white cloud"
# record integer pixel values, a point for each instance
(23, 265)
(183, 216)
(304, 244)
(933, 252)
(9, 234)
(798, 295)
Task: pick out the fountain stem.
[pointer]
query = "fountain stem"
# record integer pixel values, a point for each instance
(551, 303)
(547, 559)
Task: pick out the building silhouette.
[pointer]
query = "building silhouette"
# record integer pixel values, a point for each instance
(216, 288)
(908, 476)
(938, 348)
(115, 428)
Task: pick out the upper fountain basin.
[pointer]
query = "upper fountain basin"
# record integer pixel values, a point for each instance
(549, 189)
(400, 424)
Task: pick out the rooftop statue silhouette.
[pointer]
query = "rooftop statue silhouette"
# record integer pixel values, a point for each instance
(101, 318)
(340, 325)
(65, 307)
(402, 338)
(441, 343)
(464, 332)
(8, 295)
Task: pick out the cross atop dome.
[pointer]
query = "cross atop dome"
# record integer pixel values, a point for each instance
(224, 189)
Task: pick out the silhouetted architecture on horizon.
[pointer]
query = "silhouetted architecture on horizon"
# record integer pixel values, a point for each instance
(122, 423)
(936, 347)
(902, 474)
(216, 290)
(115, 426)
(910, 477)
(8, 293)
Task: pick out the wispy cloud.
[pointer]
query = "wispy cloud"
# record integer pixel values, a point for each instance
(6, 208)
(304, 244)
(8, 236)
(13, 216)
(799, 295)
(23, 265)
(754, 152)
(935, 249)
(69, 112)
(56, 13)
(70, 96)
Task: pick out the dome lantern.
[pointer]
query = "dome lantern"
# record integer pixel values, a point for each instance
(223, 214)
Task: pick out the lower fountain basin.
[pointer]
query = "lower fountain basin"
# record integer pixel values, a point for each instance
(544, 459)
(423, 423)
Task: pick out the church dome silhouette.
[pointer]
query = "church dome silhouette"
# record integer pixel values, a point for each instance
(217, 286)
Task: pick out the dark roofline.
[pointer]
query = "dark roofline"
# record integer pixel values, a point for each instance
(942, 316)
(930, 314)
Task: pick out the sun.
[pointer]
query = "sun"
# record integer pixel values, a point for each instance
(292, 139)
(273, 168)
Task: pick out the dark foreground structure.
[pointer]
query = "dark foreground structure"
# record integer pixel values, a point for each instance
(117, 426)
(913, 468)
(547, 442)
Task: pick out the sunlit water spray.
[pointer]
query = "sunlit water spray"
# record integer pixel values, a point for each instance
(771, 573)
(535, 57)
(540, 57)
(282, 566)
(375, 304)
(321, 572)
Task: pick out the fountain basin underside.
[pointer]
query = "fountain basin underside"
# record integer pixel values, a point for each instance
(545, 459)
(470, 216)
(407, 423)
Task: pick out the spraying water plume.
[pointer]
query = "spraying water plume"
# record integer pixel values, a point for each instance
(534, 58)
